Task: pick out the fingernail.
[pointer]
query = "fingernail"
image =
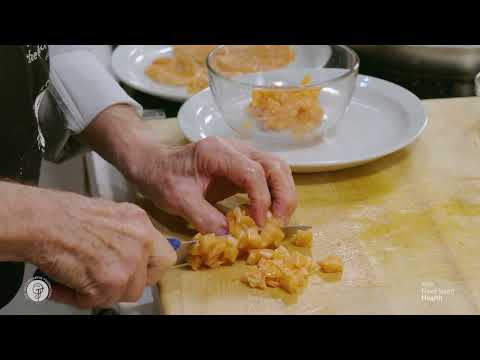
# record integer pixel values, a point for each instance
(222, 232)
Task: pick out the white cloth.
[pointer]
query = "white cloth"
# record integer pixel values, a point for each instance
(81, 78)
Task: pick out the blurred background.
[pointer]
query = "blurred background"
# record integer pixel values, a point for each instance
(429, 71)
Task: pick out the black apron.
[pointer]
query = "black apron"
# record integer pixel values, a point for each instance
(23, 78)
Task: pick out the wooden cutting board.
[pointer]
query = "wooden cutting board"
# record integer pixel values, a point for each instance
(407, 227)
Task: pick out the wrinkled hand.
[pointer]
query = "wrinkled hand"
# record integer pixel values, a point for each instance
(100, 252)
(186, 180)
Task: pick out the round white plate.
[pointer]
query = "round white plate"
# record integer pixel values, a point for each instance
(382, 119)
(129, 63)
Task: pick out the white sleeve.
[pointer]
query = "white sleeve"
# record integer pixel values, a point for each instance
(83, 85)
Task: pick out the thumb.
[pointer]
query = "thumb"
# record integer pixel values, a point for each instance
(162, 257)
(202, 215)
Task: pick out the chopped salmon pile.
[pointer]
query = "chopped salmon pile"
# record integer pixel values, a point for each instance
(279, 268)
(187, 66)
(278, 109)
(270, 263)
(246, 59)
(214, 251)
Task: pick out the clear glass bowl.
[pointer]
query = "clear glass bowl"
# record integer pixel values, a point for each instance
(283, 94)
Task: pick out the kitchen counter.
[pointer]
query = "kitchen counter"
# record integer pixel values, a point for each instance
(406, 226)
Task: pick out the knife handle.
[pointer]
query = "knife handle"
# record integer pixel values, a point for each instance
(175, 243)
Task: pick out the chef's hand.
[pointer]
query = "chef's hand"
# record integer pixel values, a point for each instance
(185, 180)
(99, 251)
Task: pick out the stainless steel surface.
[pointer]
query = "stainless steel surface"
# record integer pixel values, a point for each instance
(454, 61)
(154, 114)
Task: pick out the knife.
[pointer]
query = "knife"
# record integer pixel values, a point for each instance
(175, 243)
(182, 247)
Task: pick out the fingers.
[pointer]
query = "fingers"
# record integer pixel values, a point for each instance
(247, 174)
(161, 259)
(279, 178)
(64, 295)
(250, 176)
(132, 292)
(136, 285)
(202, 215)
(282, 187)
(220, 189)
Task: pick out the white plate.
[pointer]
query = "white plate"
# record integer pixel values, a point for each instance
(382, 119)
(129, 63)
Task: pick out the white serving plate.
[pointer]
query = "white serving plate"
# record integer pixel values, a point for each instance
(382, 119)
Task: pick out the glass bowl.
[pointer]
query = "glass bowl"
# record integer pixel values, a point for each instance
(283, 94)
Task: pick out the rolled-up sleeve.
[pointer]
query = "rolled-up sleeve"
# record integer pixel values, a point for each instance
(82, 87)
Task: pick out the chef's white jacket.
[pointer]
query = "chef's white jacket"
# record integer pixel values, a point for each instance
(81, 87)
